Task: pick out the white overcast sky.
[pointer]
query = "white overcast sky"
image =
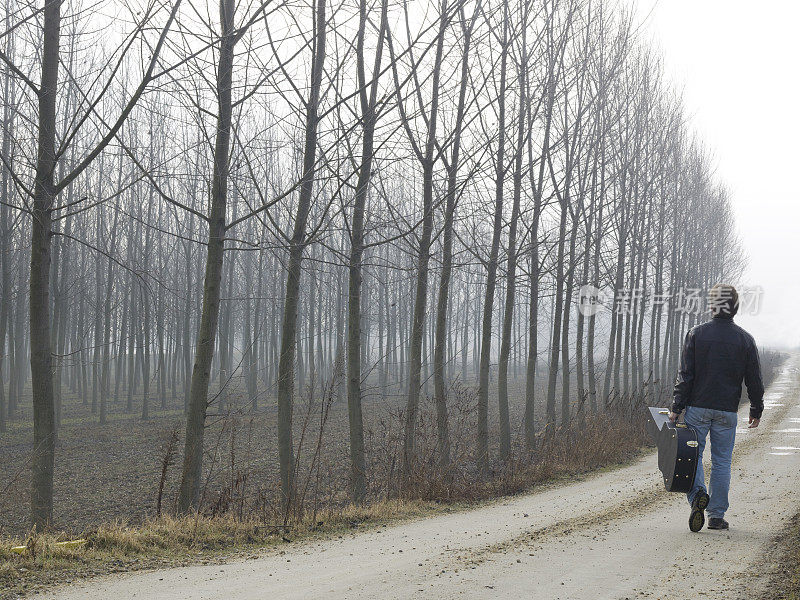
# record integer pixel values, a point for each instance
(739, 66)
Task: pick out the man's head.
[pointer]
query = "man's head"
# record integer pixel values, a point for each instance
(723, 300)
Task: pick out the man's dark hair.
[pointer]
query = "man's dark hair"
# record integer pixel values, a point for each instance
(723, 299)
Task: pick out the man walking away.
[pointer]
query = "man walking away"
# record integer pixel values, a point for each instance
(717, 356)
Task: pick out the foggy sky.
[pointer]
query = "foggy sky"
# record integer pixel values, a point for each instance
(738, 63)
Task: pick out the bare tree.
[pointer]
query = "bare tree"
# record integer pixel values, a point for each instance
(297, 243)
(368, 99)
(426, 155)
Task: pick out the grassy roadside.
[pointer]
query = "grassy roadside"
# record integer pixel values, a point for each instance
(168, 541)
(783, 569)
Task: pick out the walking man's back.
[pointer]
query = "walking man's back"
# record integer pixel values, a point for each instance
(717, 356)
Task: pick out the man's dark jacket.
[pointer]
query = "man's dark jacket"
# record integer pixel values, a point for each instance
(716, 357)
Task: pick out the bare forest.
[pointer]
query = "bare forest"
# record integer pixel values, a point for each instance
(272, 257)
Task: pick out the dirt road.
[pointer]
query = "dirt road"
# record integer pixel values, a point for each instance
(614, 535)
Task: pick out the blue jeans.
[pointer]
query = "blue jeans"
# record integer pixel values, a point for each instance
(722, 426)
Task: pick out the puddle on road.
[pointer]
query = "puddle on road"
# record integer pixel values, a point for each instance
(781, 453)
(785, 448)
(792, 430)
(794, 420)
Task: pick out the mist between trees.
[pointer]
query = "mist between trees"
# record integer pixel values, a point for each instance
(223, 208)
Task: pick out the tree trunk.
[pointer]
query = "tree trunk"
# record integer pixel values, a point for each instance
(189, 494)
(558, 307)
(443, 301)
(297, 243)
(44, 423)
(511, 270)
(491, 275)
(368, 98)
(421, 295)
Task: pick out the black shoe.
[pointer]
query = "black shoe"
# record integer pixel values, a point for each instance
(697, 519)
(717, 523)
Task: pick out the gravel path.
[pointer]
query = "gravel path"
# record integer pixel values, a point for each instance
(613, 535)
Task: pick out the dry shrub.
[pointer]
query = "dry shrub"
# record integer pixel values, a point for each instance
(596, 441)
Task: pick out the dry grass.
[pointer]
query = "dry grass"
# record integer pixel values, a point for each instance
(170, 541)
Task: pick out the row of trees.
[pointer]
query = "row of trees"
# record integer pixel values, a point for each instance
(390, 196)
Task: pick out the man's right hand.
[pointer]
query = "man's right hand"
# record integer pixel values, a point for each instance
(753, 423)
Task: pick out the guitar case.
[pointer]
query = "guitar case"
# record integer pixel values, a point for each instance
(678, 450)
